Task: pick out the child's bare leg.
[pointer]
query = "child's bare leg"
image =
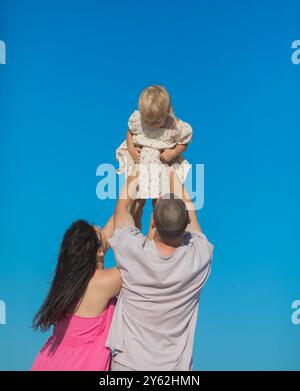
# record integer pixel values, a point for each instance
(151, 231)
(137, 211)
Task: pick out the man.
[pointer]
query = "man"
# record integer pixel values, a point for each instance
(154, 323)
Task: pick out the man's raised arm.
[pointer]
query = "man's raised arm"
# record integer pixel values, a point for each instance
(123, 217)
(178, 189)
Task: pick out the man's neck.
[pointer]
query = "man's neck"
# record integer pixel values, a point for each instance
(165, 246)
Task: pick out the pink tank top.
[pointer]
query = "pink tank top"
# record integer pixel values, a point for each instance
(78, 344)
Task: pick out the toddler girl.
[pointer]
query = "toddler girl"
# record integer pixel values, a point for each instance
(155, 137)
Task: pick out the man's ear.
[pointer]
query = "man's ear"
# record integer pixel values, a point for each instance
(153, 224)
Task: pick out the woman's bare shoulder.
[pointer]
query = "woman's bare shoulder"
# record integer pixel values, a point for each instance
(106, 275)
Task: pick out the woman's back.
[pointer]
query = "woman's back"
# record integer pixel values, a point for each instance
(80, 303)
(78, 344)
(98, 293)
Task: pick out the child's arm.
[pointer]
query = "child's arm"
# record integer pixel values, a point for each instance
(170, 154)
(183, 137)
(132, 149)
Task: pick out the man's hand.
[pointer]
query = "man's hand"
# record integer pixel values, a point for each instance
(167, 155)
(132, 149)
(135, 154)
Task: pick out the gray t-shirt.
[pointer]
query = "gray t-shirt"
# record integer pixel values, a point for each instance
(155, 318)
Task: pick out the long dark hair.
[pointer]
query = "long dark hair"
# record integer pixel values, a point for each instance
(75, 267)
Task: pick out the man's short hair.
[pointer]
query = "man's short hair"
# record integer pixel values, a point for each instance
(170, 216)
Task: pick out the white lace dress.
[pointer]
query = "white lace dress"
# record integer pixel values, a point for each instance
(153, 178)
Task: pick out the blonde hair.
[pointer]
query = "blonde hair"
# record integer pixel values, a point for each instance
(154, 103)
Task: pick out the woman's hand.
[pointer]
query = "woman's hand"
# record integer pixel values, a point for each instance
(167, 155)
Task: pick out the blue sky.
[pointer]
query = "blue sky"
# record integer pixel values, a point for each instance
(73, 75)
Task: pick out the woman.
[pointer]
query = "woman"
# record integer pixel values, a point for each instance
(80, 303)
